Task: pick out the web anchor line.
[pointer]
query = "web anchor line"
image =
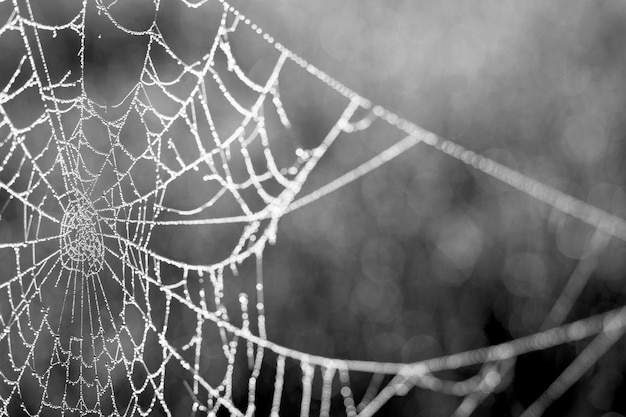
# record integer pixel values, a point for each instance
(600, 219)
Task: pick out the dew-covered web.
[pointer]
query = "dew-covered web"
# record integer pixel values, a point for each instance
(98, 318)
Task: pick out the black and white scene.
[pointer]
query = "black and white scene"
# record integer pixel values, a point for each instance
(278, 208)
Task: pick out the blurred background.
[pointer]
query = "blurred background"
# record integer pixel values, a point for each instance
(424, 256)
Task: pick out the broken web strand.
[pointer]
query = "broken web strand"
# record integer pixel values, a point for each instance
(372, 390)
(492, 377)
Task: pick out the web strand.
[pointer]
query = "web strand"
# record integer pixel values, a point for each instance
(103, 320)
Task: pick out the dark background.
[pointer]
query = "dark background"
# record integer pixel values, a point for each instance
(425, 256)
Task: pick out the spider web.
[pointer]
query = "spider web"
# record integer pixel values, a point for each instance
(97, 319)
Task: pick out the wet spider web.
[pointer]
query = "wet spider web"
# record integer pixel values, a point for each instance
(97, 319)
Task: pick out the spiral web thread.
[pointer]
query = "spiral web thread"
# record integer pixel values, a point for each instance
(85, 312)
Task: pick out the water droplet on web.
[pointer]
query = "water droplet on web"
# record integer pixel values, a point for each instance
(303, 154)
(82, 246)
(91, 239)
